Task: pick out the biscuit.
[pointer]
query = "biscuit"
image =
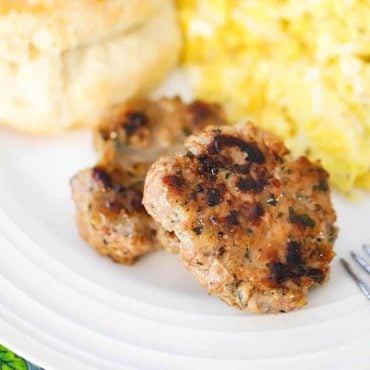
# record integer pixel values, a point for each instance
(64, 64)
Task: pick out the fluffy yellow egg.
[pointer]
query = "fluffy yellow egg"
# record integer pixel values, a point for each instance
(298, 68)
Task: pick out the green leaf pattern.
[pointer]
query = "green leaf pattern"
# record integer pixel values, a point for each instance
(10, 361)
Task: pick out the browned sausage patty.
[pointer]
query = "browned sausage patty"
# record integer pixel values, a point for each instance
(255, 227)
(110, 216)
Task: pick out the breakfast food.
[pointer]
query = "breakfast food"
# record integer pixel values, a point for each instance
(110, 215)
(299, 68)
(255, 226)
(65, 63)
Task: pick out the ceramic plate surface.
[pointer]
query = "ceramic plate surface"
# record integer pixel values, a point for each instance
(63, 306)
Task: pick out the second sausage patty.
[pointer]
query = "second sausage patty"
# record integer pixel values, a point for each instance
(110, 216)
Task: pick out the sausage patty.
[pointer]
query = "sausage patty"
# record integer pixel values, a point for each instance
(110, 216)
(255, 226)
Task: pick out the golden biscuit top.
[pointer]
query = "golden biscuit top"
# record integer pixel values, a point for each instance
(54, 26)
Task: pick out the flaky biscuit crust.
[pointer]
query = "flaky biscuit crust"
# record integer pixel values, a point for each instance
(64, 64)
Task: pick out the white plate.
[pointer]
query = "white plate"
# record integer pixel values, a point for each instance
(64, 307)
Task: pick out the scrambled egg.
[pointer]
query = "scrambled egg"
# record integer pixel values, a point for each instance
(298, 68)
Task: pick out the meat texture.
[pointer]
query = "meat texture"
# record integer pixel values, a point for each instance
(110, 215)
(255, 226)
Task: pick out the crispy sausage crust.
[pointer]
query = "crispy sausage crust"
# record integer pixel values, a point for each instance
(256, 227)
(110, 216)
